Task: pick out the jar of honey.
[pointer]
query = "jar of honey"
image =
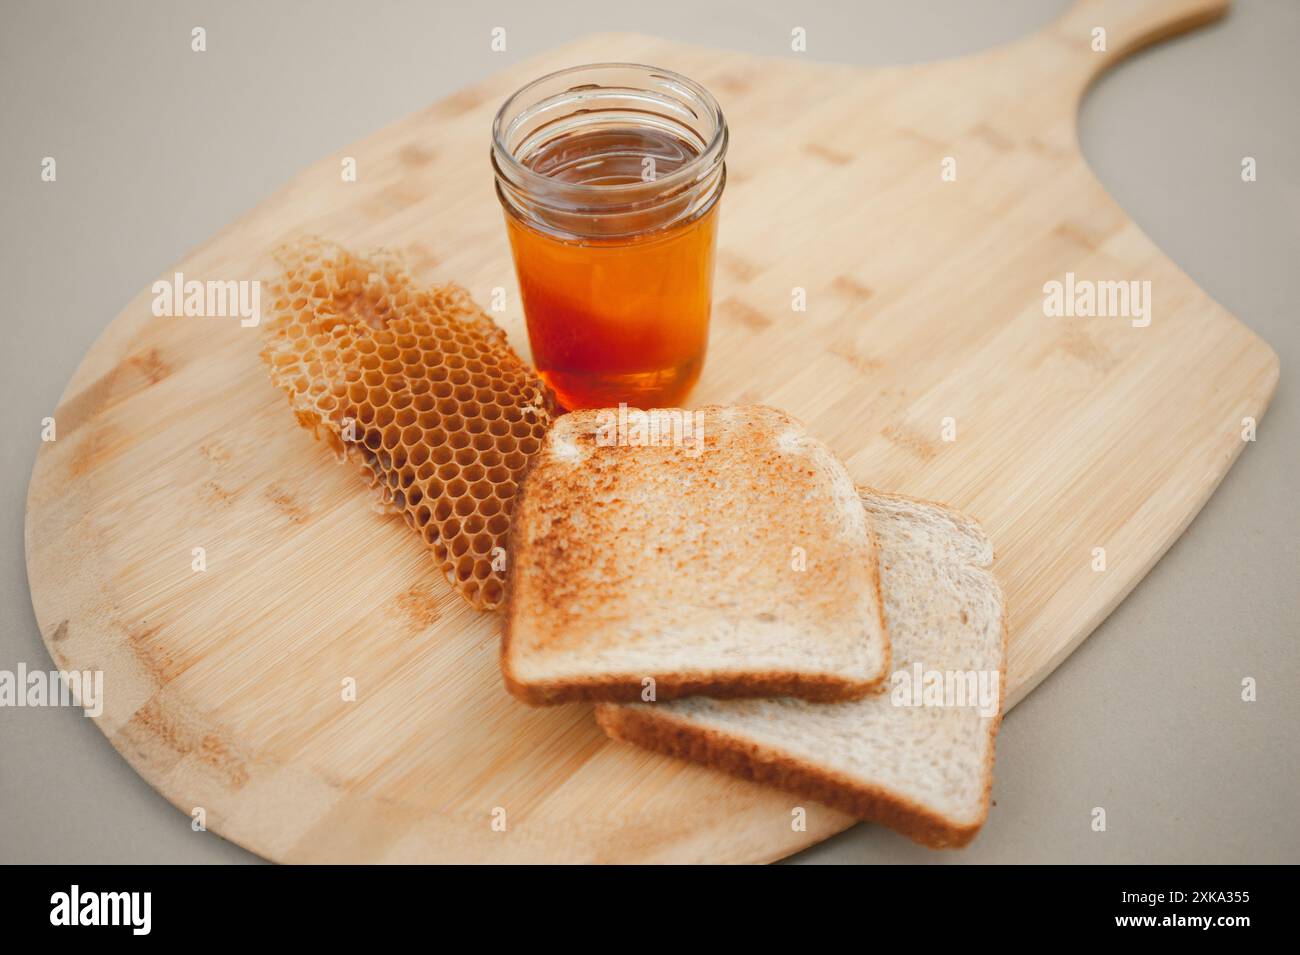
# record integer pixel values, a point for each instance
(610, 177)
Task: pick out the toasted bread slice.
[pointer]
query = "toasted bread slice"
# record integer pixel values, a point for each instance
(655, 555)
(924, 770)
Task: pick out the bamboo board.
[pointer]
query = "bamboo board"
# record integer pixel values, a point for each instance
(924, 303)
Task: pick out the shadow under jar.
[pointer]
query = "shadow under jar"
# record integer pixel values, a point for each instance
(610, 177)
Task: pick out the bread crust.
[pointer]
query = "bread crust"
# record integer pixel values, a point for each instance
(627, 687)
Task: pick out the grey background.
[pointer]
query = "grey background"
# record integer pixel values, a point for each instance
(158, 147)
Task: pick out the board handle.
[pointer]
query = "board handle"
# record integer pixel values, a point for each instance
(1129, 26)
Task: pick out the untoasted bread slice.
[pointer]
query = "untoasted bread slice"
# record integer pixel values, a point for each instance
(923, 770)
(726, 555)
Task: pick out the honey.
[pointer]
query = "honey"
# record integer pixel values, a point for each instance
(610, 178)
(624, 319)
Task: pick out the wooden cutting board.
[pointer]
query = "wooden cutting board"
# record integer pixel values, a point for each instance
(925, 302)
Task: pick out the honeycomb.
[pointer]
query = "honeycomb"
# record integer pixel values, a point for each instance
(419, 387)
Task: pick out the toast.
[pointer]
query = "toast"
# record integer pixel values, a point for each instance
(924, 770)
(661, 554)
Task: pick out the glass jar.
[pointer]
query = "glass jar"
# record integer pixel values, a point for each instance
(610, 177)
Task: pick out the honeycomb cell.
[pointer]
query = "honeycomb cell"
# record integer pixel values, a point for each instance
(417, 386)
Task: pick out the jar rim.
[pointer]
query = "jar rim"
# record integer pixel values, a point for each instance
(505, 162)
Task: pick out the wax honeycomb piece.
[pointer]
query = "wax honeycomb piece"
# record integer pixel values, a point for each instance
(420, 388)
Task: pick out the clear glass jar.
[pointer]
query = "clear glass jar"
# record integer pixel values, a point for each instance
(610, 177)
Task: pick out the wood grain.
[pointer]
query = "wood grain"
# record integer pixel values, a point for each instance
(925, 302)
